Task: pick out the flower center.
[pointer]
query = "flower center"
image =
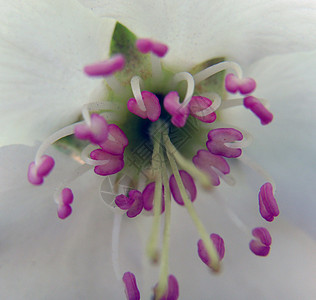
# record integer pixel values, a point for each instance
(160, 130)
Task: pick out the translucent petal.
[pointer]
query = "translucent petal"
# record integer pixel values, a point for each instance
(43, 49)
(213, 28)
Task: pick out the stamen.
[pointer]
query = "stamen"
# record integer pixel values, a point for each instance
(165, 284)
(261, 245)
(116, 141)
(219, 245)
(148, 197)
(187, 165)
(212, 70)
(36, 173)
(190, 85)
(258, 109)
(133, 203)
(221, 140)
(108, 164)
(63, 196)
(152, 250)
(234, 84)
(64, 200)
(135, 85)
(145, 104)
(268, 206)
(207, 161)
(188, 184)
(96, 130)
(107, 67)
(173, 106)
(147, 45)
(203, 108)
(131, 289)
(240, 102)
(171, 292)
(210, 248)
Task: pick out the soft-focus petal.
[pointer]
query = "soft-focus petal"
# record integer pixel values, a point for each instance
(44, 46)
(235, 29)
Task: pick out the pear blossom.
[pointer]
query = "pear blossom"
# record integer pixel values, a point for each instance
(48, 52)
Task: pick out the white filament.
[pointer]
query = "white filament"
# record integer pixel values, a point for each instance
(69, 130)
(115, 245)
(216, 103)
(135, 85)
(212, 70)
(155, 67)
(245, 142)
(190, 85)
(229, 179)
(240, 102)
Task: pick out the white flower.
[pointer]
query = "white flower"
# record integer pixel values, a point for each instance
(43, 47)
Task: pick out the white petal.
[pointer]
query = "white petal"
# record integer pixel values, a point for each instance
(286, 148)
(43, 48)
(241, 30)
(43, 257)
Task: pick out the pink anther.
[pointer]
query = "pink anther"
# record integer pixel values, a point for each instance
(262, 242)
(268, 206)
(111, 163)
(209, 162)
(37, 172)
(147, 45)
(219, 245)
(198, 104)
(116, 141)
(172, 292)
(152, 106)
(148, 197)
(107, 67)
(96, 132)
(234, 84)
(217, 139)
(64, 201)
(131, 289)
(178, 112)
(133, 203)
(258, 109)
(188, 183)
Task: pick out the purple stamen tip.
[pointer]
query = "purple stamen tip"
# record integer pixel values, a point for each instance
(178, 112)
(268, 206)
(258, 109)
(198, 104)
(107, 67)
(188, 183)
(172, 292)
(152, 106)
(64, 201)
(148, 197)
(37, 172)
(245, 85)
(96, 132)
(217, 139)
(147, 45)
(133, 203)
(219, 245)
(116, 142)
(206, 161)
(261, 245)
(111, 164)
(131, 289)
